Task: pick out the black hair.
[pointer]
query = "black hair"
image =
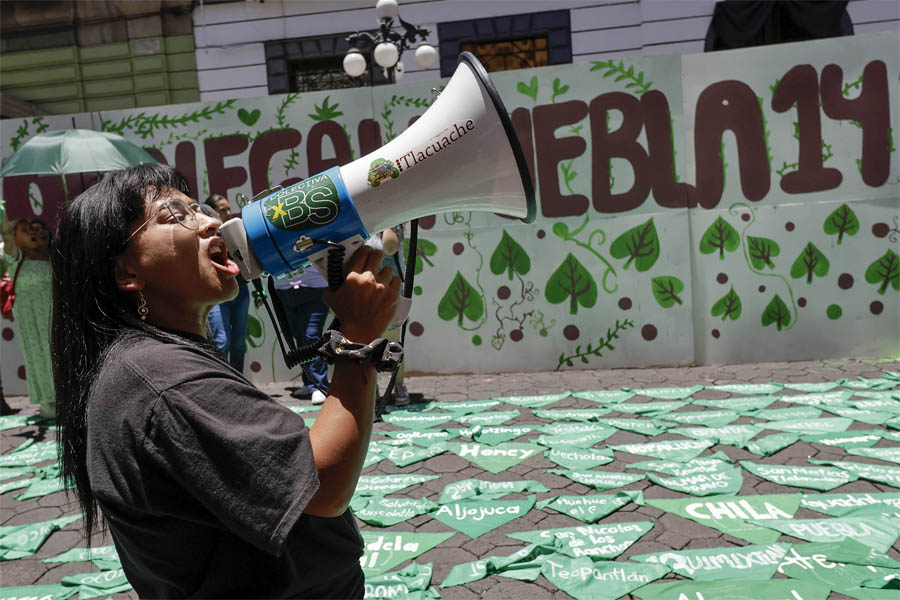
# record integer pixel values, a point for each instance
(90, 313)
(213, 199)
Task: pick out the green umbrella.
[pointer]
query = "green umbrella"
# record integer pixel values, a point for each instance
(74, 151)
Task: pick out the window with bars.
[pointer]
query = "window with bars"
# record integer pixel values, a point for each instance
(509, 41)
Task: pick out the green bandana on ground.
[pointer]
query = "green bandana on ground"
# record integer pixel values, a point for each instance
(642, 426)
(14, 421)
(584, 579)
(740, 404)
(11, 472)
(877, 532)
(786, 414)
(895, 422)
(891, 435)
(422, 437)
(841, 566)
(533, 401)
(747, 388)
(384, 551)
(815, 478)
(667, 393)
(842, 505)
(570, 427)
(524, 565)
(592, 507)
(17, 541)
(824, 386)
(707, 464)
(384, 512)
(410, 582)
(494, 458)
(16, 485)
(854, 438)
(572, 414)
(32, 454)
(92, 585)
(776, 589)
(678, 450)
(35, 592)
(575, 457)
(728, 480)
(729, 434)
(770, 444)
(599, 480)
(382, 485)
(412, 420)
(488, 418)
(811, 426)
(879, 404)
(820, 399)
(861, 383)
(710, 418)
(43, 487)
(104, 558)
(468, 406)
(648, 408)
(730, 514)
(872, 417)
(579, 440)
(600, 540)
(495, 435)
(870, 472)
(476, 517)
(886, 454)
(410, 453)
(605, 396)
(297, 410)
(714, 564)
(487, 490)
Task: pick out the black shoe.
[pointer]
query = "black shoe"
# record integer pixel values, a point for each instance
(301, 393)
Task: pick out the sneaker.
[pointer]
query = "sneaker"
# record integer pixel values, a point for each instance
(401, 396)
(318, 397)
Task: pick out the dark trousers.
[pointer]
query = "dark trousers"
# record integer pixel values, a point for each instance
(306, 313)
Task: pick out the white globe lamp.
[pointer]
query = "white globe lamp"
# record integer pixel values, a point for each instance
(386, 54)
(354, 63)
(386, 9)
(425, 56)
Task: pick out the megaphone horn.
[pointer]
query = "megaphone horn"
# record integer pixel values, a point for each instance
(461, 155)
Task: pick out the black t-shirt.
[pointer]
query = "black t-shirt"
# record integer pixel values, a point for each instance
(203, 479)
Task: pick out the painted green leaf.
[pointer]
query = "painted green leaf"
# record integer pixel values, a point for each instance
(776, 312)
(324, 112)
(729, 306)
(461, 299)
(842, 220)
(761, 251)
(720, 236)
(666, 290)
(254, 331)
(810, 262)
(558, 90)
(571, 280)
(639, 244)
(530, 90)
(509, 256)
(424, 249)
(886, 271)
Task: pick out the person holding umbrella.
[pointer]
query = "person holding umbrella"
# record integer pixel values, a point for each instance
(28, 256)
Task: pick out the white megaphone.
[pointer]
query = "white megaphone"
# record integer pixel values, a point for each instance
(461, 155)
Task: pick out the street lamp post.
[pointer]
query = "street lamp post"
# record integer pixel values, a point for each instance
(386, 46)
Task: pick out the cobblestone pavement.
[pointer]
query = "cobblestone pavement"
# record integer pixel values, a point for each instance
(670, 532)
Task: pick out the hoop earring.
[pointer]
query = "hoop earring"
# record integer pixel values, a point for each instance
(142, 309)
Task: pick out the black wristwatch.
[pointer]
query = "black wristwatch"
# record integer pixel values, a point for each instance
(381, 353)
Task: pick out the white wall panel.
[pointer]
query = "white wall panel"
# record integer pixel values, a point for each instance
(242, 92)
(656, 32)
(653, 10)
(867, 11)
(223, 79)
(604, 17)
(691, 47)
(876, 27)
(608, 40)
(231, 56)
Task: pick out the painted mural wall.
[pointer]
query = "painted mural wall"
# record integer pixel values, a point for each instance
(729, 207)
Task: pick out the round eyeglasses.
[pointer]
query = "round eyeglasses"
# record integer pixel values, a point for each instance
(179, 212)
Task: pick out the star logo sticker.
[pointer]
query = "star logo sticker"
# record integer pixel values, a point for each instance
(278, 211)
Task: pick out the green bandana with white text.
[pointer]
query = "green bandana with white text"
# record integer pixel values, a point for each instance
(667, 393)
(476, 517)
(409, 583)
(487, 490)
(854, 438)
(533, 401)
(842, 505)
(679, 450)
(816, 478)
(585, 579)
(590, 508)
(751, 389)
(605, 396)
(597, 541)
(878, 532)
(770, 444)
(494, 458)
(494, 435)
(599, 480)
(578, 458)
(717, 564)
(385, 550)
(775, 589)
(380, 511)
(726, 481)
(382, 485)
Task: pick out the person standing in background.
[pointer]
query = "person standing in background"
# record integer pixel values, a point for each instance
(234, 312)
(306, 313)
(27, 246)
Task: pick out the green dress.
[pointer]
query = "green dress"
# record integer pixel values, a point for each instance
(32, 317)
